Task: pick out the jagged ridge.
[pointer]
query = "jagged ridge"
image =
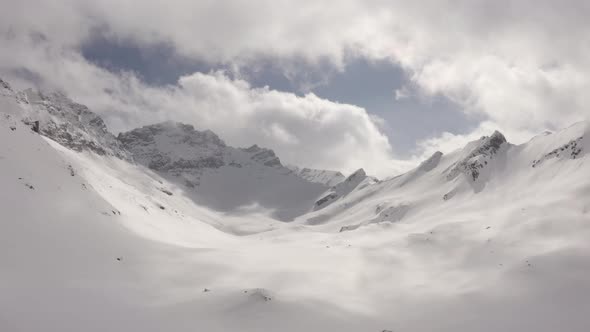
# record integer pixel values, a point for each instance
(479, 157)
(330, 178)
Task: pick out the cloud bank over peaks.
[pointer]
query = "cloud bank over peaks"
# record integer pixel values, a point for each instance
(521, 66)
(303, 130)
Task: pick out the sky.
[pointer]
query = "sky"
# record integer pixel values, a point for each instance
(374, 84)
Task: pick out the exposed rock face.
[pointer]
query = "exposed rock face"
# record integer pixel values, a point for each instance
(175, 148)
(479, 157)
(180, 150)
(71, 124)
(572, 150)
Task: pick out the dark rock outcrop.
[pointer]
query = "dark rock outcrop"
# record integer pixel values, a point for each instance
(71, 124)
(572, 150)
(478, 158)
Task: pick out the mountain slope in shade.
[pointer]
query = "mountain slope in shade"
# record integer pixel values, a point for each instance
(93, 242)
(233, 180)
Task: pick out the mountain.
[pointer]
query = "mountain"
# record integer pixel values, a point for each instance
(329, 178)
(356, 181)
(219, 176)
(64, 121)
(166, 227)
(484, 171)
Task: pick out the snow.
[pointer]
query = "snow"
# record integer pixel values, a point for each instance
(86, 246)
(221, 177)
(327, 177)
(354, 182)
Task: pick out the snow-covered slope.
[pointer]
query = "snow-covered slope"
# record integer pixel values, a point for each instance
(485, 170)
(492, 237)
(329, 178)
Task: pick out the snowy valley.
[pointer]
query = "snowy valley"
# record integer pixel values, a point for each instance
(168, 228)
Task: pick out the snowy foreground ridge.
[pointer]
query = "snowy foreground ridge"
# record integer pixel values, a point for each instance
(167, 228)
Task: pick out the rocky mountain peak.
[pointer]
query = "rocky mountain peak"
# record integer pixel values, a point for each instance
(493, 142)
(479, 154)
(172, 132)
(264, 156)
(70, 124)
(174, 147)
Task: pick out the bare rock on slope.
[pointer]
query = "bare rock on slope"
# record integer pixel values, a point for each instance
(480, 155)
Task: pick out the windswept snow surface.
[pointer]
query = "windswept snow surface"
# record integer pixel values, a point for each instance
(94, 242)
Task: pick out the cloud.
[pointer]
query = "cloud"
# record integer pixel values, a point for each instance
(402, 93)
(522, 66)
(304, 130)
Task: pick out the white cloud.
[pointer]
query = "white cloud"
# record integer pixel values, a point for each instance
(304, 130)
(402, 93)
(524, 65)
